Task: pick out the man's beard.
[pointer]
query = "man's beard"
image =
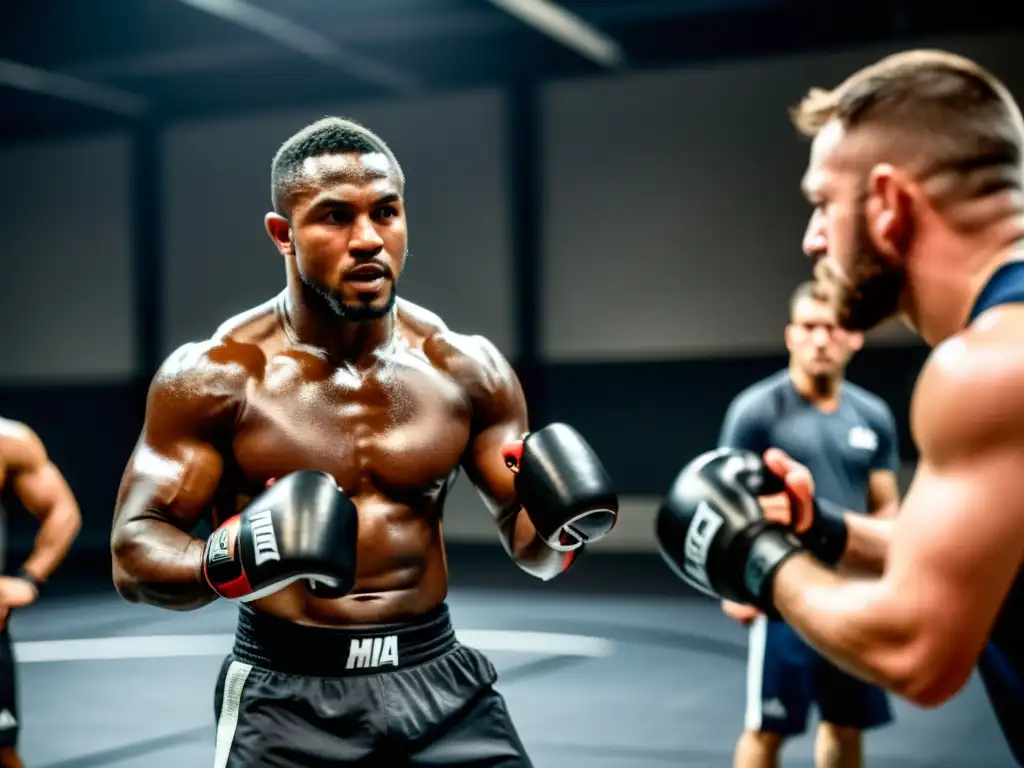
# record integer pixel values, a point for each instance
(870, 293)
(824, 383)
(357, 313)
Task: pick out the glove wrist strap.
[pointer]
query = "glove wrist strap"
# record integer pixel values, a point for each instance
(826, 538)
(767, 552)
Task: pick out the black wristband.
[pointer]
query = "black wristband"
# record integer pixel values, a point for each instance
(26, 576)
(826, 538)
(768, 551)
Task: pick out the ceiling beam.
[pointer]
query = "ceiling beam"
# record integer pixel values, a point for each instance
(567, 28)
(22, 77)
(307, 42)
(431, 28)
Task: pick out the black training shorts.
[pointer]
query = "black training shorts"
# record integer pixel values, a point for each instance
(291, 696)
(8, 693)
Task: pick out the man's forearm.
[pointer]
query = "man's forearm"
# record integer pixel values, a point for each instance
(857, 624)
(56, 534)
(158, 564)
(529, 551)
(867, 542)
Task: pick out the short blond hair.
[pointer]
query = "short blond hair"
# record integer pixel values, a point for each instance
(809, 289)
(950, 113)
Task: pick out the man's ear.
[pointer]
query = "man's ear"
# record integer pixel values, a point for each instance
(855, 340)
(280, 231)
(887, 209)
(789, 337)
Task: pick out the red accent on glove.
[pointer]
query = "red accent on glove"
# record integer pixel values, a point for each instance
(235, 588)
(512, 453)
(239, 586)
(568, 559)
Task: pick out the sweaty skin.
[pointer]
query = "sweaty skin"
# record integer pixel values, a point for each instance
(26, 469)
(227, 415)
(950, 558)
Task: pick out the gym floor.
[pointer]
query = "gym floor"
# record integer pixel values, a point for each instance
(633, 677)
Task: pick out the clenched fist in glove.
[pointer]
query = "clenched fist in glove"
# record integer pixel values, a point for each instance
(713, 534)
(302, 527)
(563, 487)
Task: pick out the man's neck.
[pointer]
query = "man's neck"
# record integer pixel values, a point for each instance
(310, 321)
(821, 391)
(943, 293)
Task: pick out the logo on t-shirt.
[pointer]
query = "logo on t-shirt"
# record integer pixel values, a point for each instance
(863, 438)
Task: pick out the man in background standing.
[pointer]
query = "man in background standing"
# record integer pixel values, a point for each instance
(28, 474)
(847, 437)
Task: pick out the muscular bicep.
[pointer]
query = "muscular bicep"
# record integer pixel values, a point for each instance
(499, 418)
(883, 493)
(174, 481)
(43, 489)
(956, 549)
(176, 467)
(36, 481)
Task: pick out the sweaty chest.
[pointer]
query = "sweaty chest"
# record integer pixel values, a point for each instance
(399, 429)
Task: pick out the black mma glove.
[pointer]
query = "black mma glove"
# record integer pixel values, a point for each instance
(712, 533)
(563, 487)
(302, 527)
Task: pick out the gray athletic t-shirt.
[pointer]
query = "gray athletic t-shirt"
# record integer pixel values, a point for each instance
(841, 449)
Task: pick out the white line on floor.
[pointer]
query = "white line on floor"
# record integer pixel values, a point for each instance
(166, 646)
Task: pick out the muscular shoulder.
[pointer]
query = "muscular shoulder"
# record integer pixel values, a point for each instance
(16, 431)
(971, 392)
(201, 368)
(212, 374)
(471, 360)
(20, 446)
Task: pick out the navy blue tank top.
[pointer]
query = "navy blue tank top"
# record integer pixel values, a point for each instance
(1001, 666)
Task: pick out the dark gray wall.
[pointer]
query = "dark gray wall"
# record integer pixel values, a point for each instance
(65, 280)
(682, 188)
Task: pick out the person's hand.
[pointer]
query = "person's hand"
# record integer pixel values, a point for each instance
(795, 507)
(744, 614)
(16, 593)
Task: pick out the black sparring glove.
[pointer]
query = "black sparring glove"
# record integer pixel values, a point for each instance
(563, 487)
(712, 532)
(302, 527)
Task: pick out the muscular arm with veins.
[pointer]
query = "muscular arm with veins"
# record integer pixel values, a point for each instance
(41, 488)
(954, 551)
(500, 417)
(170, 482)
